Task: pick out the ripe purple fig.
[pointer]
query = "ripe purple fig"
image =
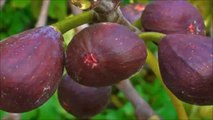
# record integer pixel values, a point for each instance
(104, 54)
(30, 69)
(82, 101)
(186, 65)
(172, 17)
(133, 12)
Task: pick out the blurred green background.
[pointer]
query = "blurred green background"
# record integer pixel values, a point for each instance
(19, 15)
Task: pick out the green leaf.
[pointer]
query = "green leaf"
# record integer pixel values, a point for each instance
(2, 36)
(167, 112)
(58, 9)
(30, 115)
(99, 117)
(152, 46)
(163, 105)
(206, 112)
(142, 93)
(129, 110)
(61, 111)
(36, 7)
(2, 114)
(47, 111)
(115, 114)
(151, 88)
(20, 3)
(68, 36)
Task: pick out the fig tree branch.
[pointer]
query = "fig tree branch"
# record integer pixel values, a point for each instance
(194, 111)
(43, 14)
(2, 3)
(89, 16)
(74, 21)
(76, 11)
(109, 11)
(142, 109)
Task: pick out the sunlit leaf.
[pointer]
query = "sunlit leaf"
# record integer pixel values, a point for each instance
(36, 7)
(58, 9)
(20, 3)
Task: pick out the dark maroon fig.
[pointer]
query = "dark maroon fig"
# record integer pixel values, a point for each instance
(186, 65)
(82, 101)
(30, 69)
(172, 17)
(132, 12)
(104, 54)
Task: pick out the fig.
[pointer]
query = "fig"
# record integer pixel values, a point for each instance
(30, 69)
(132, 12)
(186, 66)
(172, 17)
(82, 101)
(104, 54)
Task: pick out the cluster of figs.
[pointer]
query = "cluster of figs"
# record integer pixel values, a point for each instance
(103, 54)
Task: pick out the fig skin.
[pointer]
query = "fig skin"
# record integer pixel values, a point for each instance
(104, 54)
(31, 68)
(133, 12)
(172, 17)
(186, 65)
(80, 100)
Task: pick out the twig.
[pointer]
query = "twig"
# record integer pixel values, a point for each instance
(43, 14)
(194, 112)
(109, 11)
(12, 116)
(76, 11)
(142, 109)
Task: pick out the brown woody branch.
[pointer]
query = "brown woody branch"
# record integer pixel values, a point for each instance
(43, 14)
(2, 3)
(142, 109)
(76, 11)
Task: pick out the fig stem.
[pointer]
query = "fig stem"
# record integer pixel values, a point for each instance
(152, 36)
(142, 109)
(76, 11)
(193, 112)
(153, 64)
(74, 21)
